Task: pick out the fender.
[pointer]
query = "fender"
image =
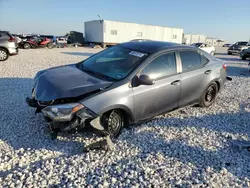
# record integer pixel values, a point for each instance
(119, 106)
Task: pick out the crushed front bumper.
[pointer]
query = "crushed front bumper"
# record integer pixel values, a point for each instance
(32, 102)
(81, 118)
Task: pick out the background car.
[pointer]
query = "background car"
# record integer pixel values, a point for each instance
(244, 54)
(237, 47)
(51, 37)
(127, 83)
(8, 45)
(226, 45)
(207, 48)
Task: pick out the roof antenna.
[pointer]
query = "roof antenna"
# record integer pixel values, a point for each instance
(100, 19)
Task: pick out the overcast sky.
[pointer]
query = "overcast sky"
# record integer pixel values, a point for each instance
(225, 19)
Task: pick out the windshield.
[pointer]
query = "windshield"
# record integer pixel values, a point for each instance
(242, 43)
(114, 63)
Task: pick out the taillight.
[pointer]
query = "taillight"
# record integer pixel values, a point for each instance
(12, 39)
(224, 66)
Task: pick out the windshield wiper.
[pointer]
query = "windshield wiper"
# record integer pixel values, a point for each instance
(97, 74)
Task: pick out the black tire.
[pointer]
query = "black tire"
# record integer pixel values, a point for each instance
(50, 45)
(4, 55)
(229, 53)
(26, 46)
(113, 123)
(243, 57)
(209, 96)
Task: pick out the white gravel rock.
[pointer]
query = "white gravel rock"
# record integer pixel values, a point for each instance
(189, 147)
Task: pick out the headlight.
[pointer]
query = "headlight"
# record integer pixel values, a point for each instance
(62, 112)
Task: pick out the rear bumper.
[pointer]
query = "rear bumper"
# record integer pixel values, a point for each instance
(13, 51)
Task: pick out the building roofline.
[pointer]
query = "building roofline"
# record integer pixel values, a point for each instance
(137, 23)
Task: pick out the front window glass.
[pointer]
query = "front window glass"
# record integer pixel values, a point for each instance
(115, 63)
(162, 66)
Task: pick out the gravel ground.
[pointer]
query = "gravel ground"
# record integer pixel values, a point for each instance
(191, 147)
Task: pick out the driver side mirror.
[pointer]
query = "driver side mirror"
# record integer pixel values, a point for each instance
(146, 80)
(142, 80)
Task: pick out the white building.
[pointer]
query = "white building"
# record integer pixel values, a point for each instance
(113, 32)
(215, 42)
(190, 39)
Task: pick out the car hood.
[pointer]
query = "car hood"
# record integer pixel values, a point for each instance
(65, 82)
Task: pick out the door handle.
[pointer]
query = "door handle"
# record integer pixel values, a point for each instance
(176, 82)
(208, 72)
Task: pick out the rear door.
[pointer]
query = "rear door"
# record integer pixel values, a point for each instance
(195, 76)
(151, 100)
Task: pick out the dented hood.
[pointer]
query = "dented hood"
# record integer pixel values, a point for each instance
(65, 82)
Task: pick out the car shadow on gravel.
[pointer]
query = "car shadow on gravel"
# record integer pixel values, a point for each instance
(78, 53)
(228, 157)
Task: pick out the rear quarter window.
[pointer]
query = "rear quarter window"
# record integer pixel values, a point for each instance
(191, 60)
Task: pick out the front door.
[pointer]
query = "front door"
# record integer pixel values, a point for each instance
(163, 95)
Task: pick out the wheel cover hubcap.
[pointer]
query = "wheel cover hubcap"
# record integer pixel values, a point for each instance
(3, 55)
(114, 122)
(210, 94)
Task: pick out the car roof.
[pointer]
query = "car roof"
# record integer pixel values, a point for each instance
(150, 46)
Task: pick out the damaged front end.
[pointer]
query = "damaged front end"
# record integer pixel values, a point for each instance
(63, 117)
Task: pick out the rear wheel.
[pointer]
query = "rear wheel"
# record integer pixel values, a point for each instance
(113, 122)
(229, 53)
(3, 54)
(26, 46)
(209, 95)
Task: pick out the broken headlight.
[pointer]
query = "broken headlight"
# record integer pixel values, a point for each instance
(62, 112)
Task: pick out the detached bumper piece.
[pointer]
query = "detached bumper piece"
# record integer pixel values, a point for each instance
(105, 144)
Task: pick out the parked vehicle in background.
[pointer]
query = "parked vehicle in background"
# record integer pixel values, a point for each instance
(207, 48)
(126, 84)
(237, 47)
(51, 37)
(37, 42)
(226, 45)
(18, 39)
(61, 40)
(8, 45)
(244, 54)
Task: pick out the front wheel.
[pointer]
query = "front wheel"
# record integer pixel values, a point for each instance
(209, 96)
(26, 46)
(229, 53)
(3, 55)
(243, 58)
(113, 123)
